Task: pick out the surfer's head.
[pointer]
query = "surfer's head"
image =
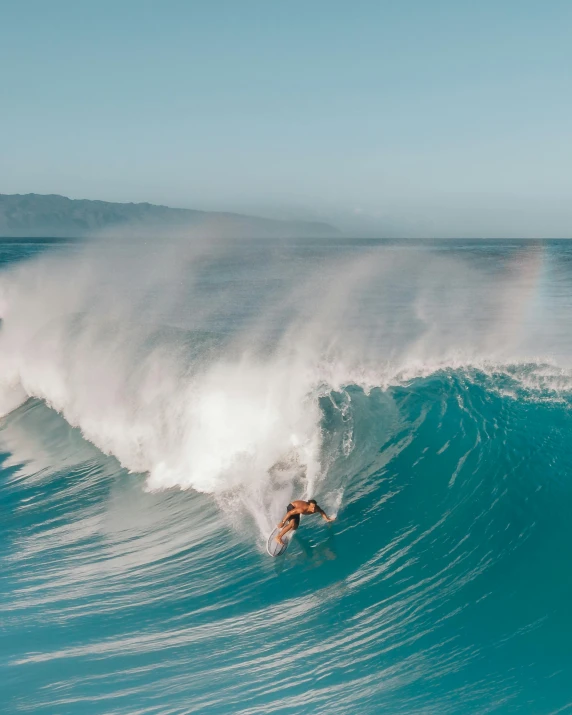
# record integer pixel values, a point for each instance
(313, 505)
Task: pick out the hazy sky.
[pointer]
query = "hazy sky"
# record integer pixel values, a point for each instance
(405, 117)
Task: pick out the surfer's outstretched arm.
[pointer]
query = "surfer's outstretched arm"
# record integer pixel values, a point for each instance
(325, 517)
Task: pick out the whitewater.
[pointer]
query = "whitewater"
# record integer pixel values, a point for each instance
(161, 403)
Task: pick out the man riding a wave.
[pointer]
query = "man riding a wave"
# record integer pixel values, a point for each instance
(293, 512)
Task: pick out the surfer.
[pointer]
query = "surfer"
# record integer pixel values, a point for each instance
(292, 519)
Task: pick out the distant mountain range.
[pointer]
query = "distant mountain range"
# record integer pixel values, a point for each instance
(53, 216)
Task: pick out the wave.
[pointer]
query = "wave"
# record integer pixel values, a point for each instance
(407, 601)
(208, 369)
(229, 381)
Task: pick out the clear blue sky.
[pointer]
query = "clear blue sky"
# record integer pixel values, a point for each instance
(418, 117)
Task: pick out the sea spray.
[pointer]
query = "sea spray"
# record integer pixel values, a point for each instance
(214, 385)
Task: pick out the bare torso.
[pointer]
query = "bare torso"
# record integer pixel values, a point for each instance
(292, 518)
(303, 507)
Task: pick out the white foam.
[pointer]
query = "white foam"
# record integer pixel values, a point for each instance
(241, 419)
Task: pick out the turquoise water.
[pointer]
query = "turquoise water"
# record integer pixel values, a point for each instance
(163, 403)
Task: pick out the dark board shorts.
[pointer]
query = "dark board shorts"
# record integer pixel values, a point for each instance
(295, 518)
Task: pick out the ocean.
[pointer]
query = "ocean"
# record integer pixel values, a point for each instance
(161, 404)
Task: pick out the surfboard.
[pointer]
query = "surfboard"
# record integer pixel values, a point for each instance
(273, 547)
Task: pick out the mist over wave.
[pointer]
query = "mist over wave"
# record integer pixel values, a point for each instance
(203, 365)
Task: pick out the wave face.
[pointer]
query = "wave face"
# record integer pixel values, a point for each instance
(163, 403)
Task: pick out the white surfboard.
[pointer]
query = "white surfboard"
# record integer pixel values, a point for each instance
(273, 547)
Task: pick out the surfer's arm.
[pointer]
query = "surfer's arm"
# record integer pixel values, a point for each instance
(325, 517)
